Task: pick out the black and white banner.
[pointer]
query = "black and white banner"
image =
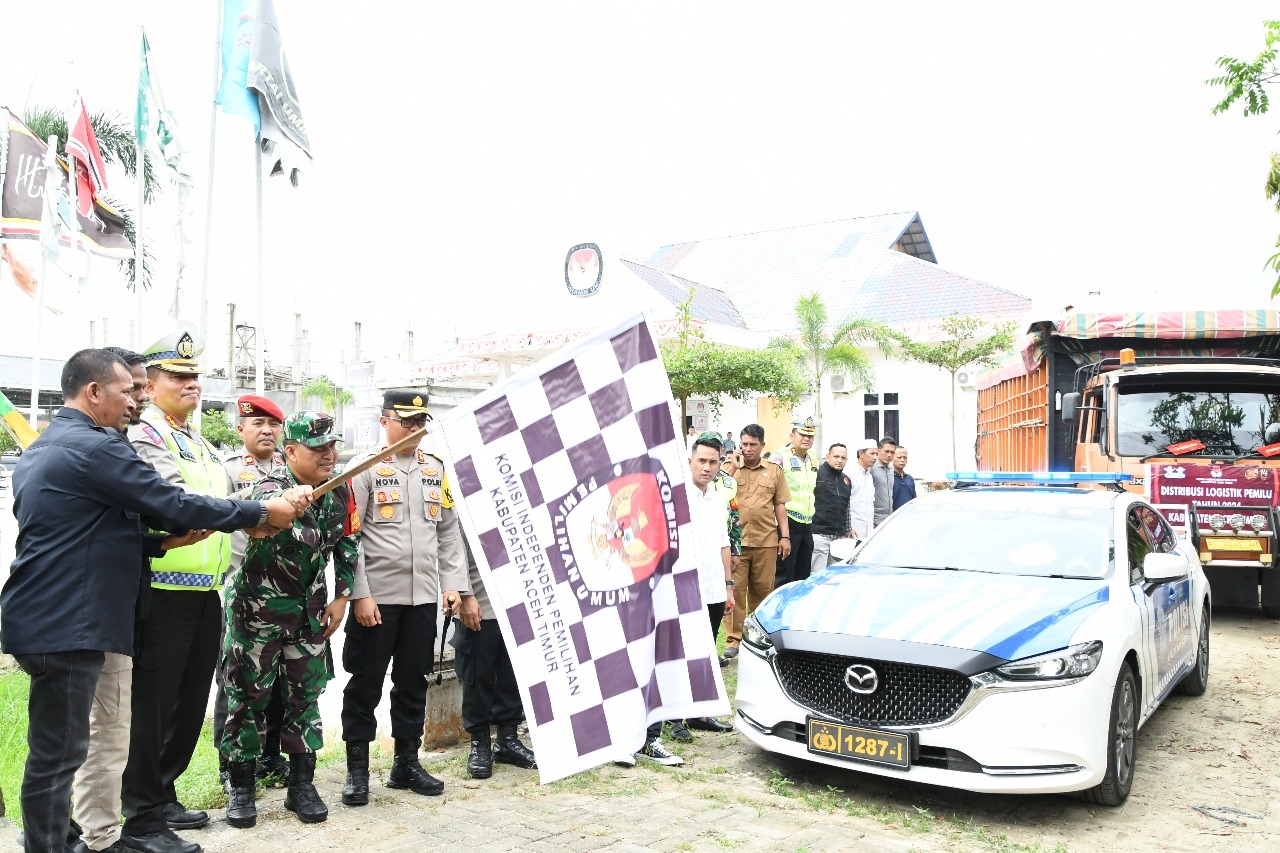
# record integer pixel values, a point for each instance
(570, 478)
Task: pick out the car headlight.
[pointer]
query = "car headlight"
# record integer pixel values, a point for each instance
(754, 635)
(1072, 662)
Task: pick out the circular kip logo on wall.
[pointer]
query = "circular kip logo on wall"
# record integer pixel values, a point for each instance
(620, 526)
(583, 268)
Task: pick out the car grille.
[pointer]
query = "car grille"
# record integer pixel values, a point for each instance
(907, 694)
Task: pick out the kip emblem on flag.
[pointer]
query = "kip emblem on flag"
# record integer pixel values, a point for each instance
(570, 481)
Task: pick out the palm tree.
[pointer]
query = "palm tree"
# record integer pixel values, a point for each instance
(116, 141)
(821, 349)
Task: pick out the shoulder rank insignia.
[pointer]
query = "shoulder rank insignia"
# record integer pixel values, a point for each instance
(422, 456)
(386, 472)
(250, 460)
(150, 432)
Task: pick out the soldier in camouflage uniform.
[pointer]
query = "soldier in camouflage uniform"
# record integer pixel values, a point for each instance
(278, 623)
(260, 424)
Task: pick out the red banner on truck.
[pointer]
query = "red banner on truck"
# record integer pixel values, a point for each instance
(1221, 485)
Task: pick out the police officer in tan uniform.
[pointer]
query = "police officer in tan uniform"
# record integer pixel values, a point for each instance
(259, 428)
(411, 558)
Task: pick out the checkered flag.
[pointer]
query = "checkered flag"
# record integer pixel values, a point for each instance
(570, 480)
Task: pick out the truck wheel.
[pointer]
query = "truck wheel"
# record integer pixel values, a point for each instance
(1122, 743)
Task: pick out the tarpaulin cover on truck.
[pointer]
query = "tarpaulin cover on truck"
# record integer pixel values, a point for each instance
(1073, 332)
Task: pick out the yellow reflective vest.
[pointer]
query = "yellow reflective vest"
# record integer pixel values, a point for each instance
(802, 478)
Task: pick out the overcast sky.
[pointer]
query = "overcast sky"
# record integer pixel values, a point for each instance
(461, 148)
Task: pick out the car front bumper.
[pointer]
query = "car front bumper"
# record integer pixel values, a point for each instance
(1042, 740)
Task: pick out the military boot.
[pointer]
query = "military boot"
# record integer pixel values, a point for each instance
(509, 750)
(242, 810)
(406, 772)
(356, 791)
(302, 798)
(480, 762)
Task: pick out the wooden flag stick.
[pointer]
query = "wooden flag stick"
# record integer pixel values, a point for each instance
(410, 440)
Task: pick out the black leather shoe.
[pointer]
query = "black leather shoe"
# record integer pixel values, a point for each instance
(356, 790)
(709, 724)
(179, 816)
(508, 749)
(480, 761)
(302, 798)
(163, 841)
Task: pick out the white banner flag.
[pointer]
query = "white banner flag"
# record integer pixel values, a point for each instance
(570, 479)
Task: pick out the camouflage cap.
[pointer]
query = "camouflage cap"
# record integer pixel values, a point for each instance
(314, 429)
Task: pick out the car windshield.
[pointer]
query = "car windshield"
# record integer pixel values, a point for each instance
(1010, 532)
(1223, 420)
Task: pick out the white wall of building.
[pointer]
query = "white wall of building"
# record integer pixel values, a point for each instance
(923, 409)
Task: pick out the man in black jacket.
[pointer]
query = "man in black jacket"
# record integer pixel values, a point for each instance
(79, 493)
(831, 505)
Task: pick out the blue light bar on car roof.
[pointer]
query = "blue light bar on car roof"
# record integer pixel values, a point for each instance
(1038, 477)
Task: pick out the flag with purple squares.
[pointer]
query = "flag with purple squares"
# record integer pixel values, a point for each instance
(570, 479)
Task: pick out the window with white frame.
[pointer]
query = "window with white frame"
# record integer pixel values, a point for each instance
(880, 416)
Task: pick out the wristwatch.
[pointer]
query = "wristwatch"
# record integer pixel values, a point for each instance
(728, 583)
(262, 516)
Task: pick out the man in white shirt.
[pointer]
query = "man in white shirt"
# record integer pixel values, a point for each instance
(862, 495)
(709, 519)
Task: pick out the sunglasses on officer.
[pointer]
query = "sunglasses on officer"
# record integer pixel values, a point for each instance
(413, 422)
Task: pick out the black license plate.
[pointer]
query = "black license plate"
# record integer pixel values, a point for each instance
(859, 744)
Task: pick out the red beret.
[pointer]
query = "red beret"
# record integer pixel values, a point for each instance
(253, 406)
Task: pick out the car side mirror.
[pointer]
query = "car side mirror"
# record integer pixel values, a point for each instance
(842, 550)
(1070, 403)
(1159, 568)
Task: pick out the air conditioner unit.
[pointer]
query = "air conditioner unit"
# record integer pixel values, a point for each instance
(842, 384)
(966, 377)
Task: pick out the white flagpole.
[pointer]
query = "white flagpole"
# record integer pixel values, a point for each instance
(139, 249)
(259, 379)
(50, 163)
(208, 204)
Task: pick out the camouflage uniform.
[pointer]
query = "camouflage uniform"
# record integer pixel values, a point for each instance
(273, 620)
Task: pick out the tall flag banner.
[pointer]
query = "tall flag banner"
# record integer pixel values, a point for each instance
(152, 122)
(570, 480)
(22, 197)
(237, 38)
(91, 170)
(15, 423)
(269, 76)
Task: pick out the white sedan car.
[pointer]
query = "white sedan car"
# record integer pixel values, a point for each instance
(995, 638)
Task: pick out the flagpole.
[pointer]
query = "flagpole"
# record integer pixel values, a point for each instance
(208, 204)
(50, 163)
(139, 257)
(259, 379)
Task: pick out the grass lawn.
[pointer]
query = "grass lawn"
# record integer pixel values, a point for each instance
(13, 739)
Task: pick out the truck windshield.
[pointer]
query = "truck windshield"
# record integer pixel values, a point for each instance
(1224, 421)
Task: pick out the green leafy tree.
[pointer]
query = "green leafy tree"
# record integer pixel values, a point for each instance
(116, 141)
(697, 367)
(7, 441)
(819, 348)
(1245, 81)
(333, 398)
(217, 429)
(963, 344)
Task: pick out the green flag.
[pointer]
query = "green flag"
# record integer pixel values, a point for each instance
(150, 117)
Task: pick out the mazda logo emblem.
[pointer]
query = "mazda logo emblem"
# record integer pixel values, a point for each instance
(861, 679)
